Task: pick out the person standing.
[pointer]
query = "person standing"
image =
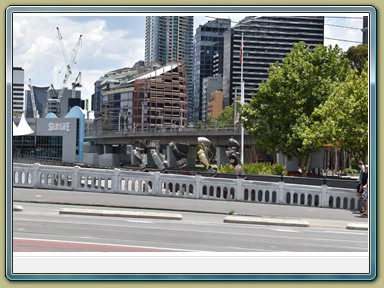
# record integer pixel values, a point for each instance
(364, 189)
(358, 188)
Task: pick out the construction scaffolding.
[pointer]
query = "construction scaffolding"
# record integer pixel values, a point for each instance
(160, 99)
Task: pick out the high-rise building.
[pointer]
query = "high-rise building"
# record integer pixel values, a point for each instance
(208, 59)
(365, 30)
(210, 84)
(266, 40)
(17, 90)
(168, 39)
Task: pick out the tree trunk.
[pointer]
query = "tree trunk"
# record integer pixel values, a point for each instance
(304, 164)
(336, 161)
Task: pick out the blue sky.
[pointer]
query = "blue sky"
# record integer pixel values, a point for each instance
(108, 43)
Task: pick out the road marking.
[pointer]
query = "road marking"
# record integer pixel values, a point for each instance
(134, 248)
(139, 221)
(285, 230)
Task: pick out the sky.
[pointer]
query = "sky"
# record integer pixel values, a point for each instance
(111, 42)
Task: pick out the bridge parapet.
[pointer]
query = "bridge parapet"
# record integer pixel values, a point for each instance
(181, 186)
(168, 131)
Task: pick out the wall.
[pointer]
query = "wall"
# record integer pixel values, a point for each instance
(47, 127)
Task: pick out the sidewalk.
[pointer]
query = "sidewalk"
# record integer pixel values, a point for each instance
(271, 214)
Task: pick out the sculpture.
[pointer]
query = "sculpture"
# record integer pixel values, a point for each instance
(233, 155)
(206, 153)
(149, 148)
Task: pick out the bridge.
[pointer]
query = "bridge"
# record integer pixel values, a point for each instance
(218, 136)
(114, 148)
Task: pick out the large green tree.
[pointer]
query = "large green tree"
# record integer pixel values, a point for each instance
(282, 111)
(342, 120)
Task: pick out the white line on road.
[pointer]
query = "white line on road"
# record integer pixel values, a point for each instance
(101, 244)
(285, 230)
(139, 221)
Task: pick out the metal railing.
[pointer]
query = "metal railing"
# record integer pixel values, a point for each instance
(181, 186)
(148, 130)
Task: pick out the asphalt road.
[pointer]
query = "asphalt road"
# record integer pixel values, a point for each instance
(41, 228)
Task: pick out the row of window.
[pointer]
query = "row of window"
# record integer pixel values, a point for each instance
(39, 147)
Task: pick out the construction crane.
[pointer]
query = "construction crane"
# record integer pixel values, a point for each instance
(76, 84)
(35, 112)
(68, 62)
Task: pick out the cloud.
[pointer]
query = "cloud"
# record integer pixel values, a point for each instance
(36, 48)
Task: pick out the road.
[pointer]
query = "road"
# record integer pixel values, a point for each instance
(41, 228)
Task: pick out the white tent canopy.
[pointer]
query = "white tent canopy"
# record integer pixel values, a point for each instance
(23, 128)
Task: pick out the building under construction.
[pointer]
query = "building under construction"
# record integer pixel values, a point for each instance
(153, 99)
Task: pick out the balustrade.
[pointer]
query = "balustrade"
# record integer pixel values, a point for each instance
(183, 186)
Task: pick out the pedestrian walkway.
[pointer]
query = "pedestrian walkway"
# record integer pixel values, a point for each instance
(316, 217)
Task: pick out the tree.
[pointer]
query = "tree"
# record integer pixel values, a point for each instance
(358, 56)
(224, 119)
(281, 114)
(342, 120)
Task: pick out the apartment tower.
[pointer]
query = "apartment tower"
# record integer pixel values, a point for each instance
(266, 40)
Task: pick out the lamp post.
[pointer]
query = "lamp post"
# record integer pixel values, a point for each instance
(242, 98)
(324, 176)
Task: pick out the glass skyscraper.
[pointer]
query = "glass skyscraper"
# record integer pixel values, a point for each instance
(170, 38)
(208, 59)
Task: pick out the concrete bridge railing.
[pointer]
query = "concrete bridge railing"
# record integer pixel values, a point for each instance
(182, 186)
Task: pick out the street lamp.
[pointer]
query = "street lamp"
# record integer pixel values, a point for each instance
(324, 176)
(242, 97)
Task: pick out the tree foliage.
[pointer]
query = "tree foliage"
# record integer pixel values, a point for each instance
(282, 112)
(358, 56)
(343, 117)
(223, 120)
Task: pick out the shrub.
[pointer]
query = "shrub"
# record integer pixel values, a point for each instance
(350, 171)
(228, 168)
(279, 169)
(256, 168)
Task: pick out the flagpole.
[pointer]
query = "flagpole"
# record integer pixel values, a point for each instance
(242, 97)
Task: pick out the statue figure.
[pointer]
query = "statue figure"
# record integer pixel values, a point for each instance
(233, 155)
(140, 153)
(149, 148)
(206, 152)
(153, 150)
(180, 150)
